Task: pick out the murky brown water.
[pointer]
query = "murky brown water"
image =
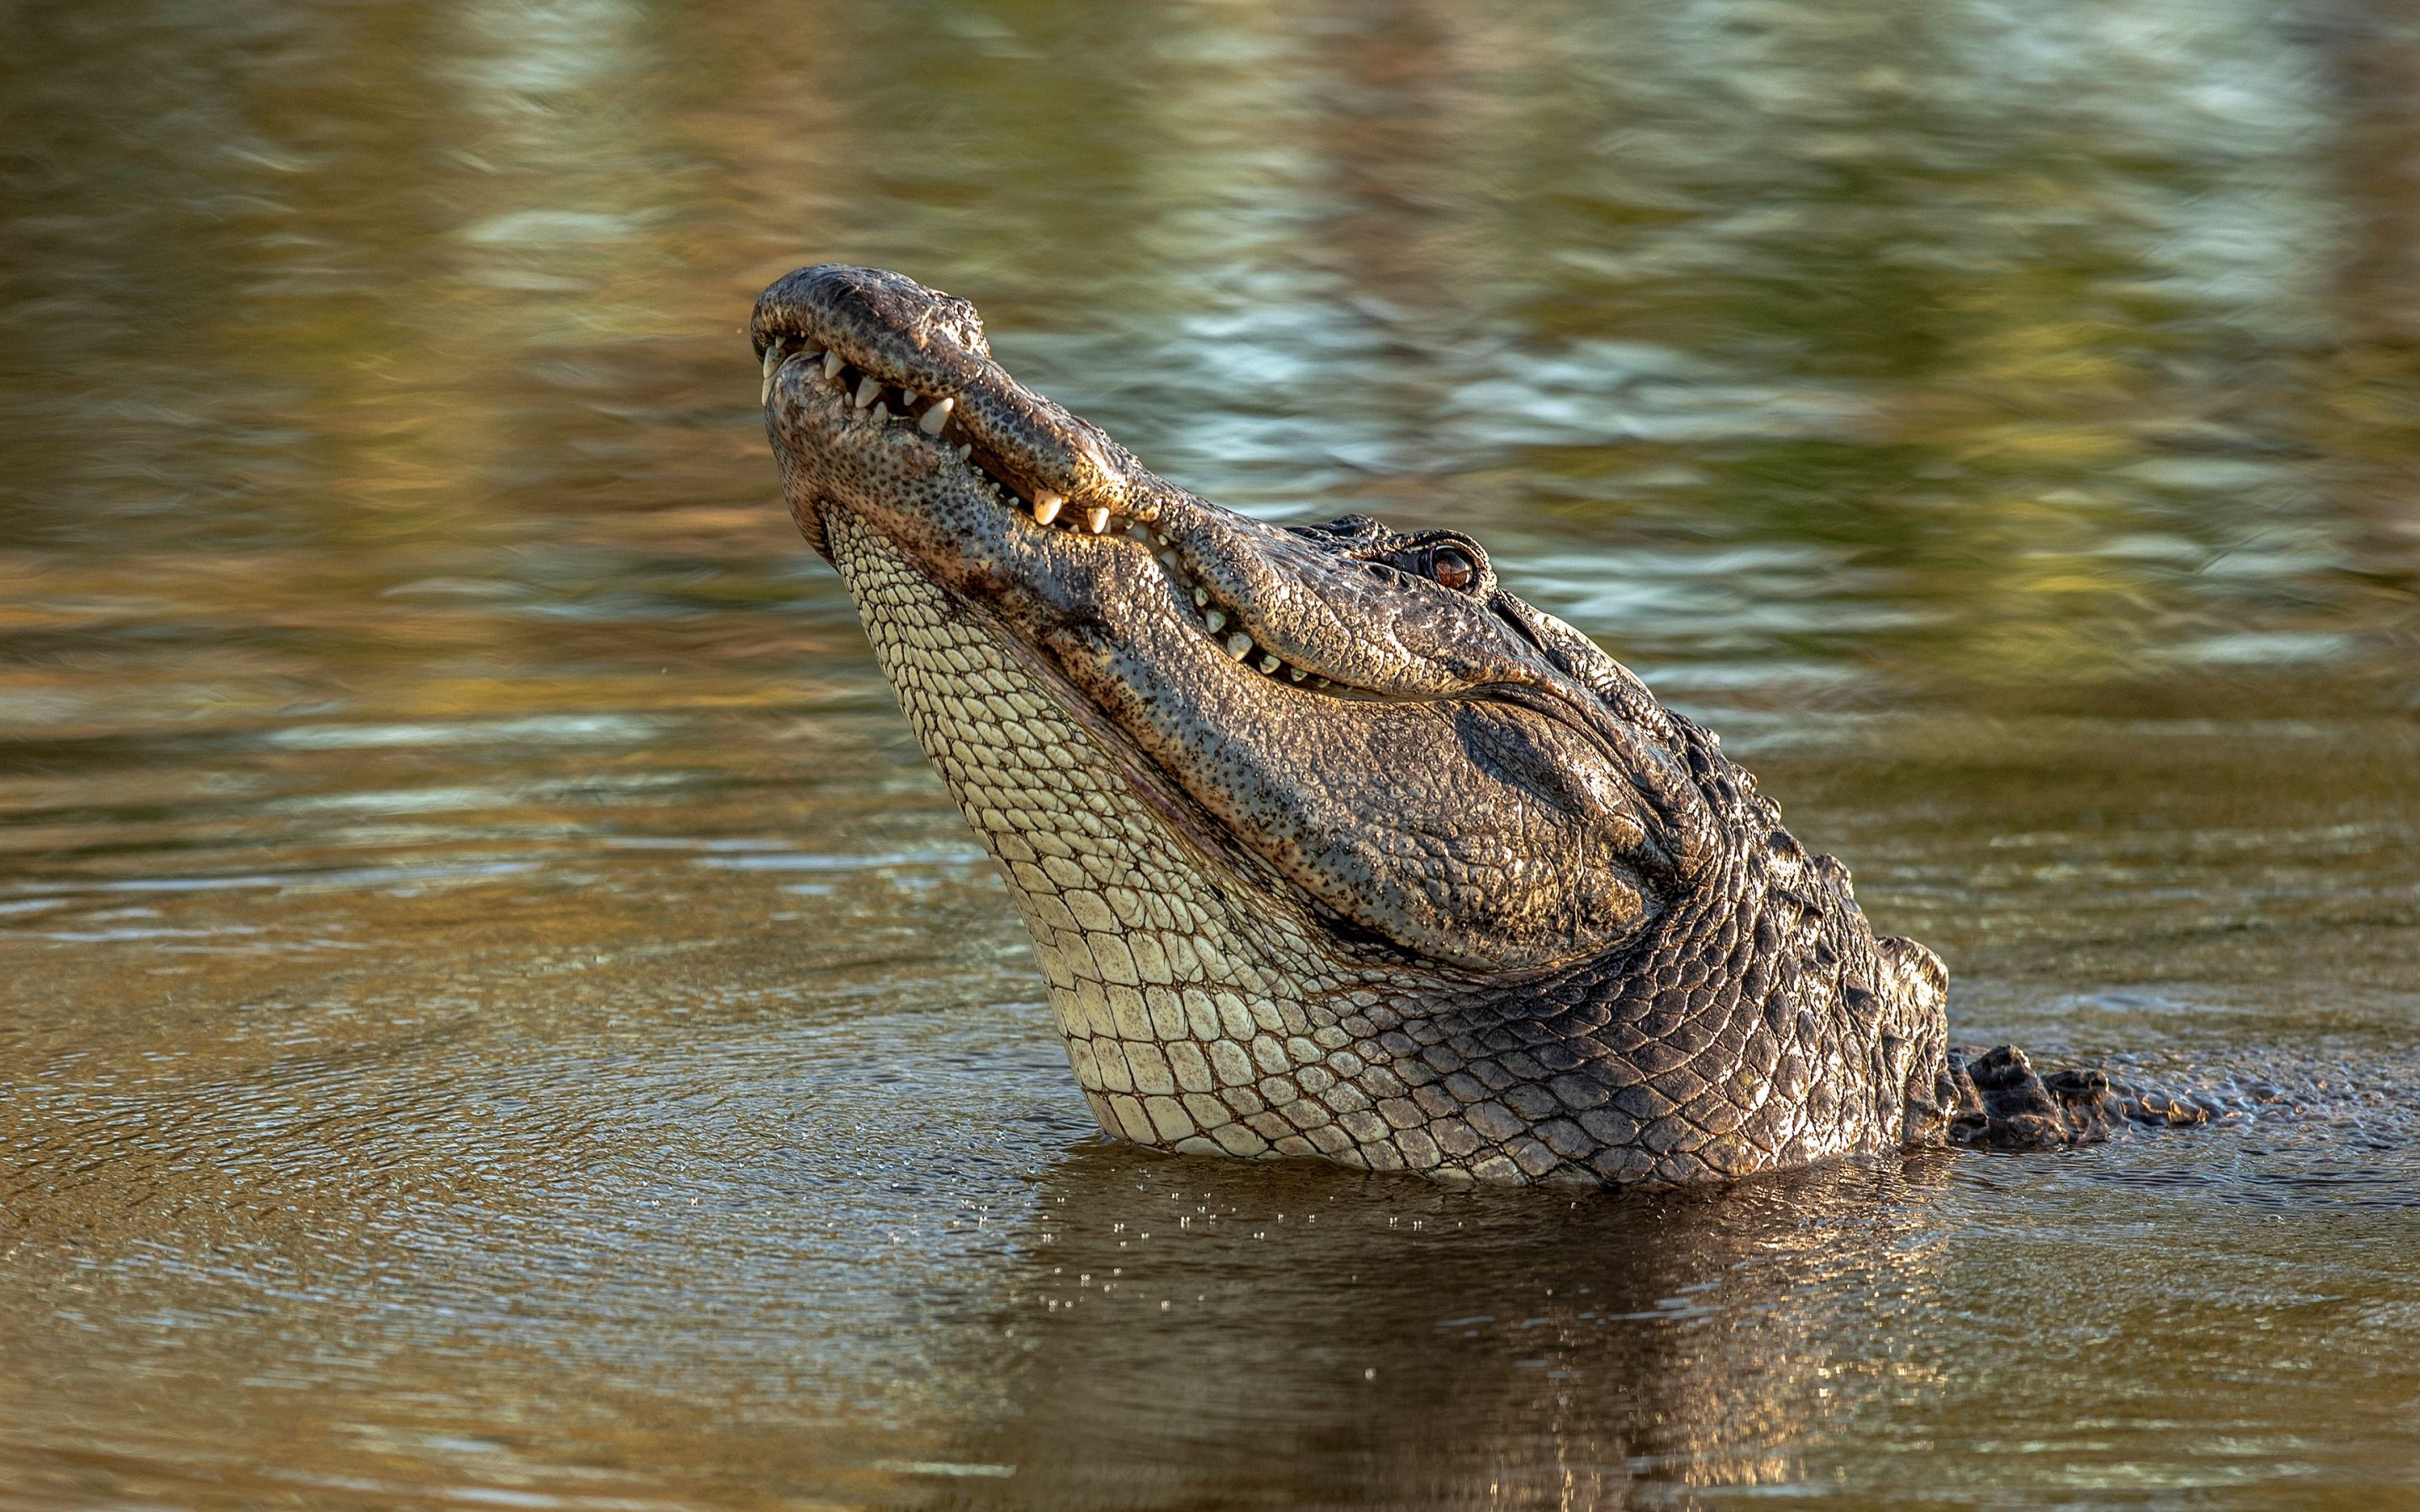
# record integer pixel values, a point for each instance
(494, 1011)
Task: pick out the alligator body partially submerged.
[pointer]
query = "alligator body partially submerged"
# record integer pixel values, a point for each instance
(1329, 845)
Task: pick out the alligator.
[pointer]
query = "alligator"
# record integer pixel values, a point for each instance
(1331, 846)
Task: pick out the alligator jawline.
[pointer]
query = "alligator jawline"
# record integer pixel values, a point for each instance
(849, 395)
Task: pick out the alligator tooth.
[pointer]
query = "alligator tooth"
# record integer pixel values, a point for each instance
(1200, 599)
(1294, 674)
(1239, 645)
(832, 364)
(966, 451)
(1045, 506)
(772, 360)
(1097, 518)
(880, 412)
(936, 417)
(1215, 620)
(907, 400)
(1269, 662)
(1168, 560)
(866, 389)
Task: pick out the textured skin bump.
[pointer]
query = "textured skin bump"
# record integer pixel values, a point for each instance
(1441, 888)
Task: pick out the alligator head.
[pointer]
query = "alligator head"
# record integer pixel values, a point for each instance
(1329, 844)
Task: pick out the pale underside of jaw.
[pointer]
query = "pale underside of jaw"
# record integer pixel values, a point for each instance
(873, 403)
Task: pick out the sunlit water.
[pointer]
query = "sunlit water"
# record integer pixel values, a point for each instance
(494, 1011)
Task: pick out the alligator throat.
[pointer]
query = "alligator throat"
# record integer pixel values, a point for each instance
(1330, 846)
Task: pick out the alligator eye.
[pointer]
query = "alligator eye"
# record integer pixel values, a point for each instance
(1451, 568)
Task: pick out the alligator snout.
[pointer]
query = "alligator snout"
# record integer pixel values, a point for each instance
(897, 351)
(880, 321)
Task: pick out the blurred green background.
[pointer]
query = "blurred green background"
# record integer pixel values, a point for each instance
(1879, 350)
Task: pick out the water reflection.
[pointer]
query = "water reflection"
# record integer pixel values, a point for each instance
(496, 1007)
(1191, 1333)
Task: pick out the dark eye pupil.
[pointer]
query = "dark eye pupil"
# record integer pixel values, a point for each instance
(1453, 569)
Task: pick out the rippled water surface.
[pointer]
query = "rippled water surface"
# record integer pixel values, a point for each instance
(495, 1011)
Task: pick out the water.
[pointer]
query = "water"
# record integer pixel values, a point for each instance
(497, 1012)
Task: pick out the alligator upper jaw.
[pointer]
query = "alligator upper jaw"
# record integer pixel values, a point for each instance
(882, 397)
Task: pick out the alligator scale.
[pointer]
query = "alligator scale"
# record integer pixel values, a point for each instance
(1329, 845)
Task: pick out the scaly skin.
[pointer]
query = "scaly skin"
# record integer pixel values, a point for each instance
(1328, 845)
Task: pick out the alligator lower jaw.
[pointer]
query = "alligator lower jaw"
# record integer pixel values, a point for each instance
(856, 397)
